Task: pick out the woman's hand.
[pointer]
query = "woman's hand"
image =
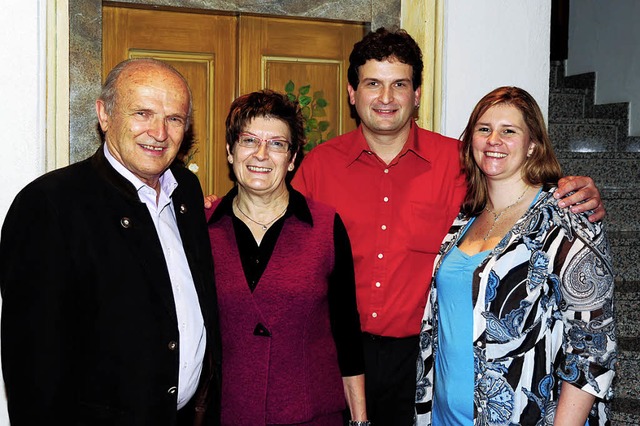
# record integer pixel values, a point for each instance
(354, 394)
(573, 407)
(209, 200)
(585, 198)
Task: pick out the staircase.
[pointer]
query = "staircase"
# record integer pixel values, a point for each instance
(592, 140)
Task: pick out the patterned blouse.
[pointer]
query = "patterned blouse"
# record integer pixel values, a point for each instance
(543, 314)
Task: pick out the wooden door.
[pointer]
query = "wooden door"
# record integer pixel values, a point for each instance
(309, 60)
(203, 48)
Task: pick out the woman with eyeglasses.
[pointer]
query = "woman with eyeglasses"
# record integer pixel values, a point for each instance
(291, 339)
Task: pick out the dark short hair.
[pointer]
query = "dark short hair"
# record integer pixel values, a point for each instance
(541, 168)
(109, 93)
(384, 44)
(267, 104)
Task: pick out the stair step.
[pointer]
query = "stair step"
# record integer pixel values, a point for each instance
(625, 251)
(585, 135)
(564, 104)
(633, 144)
(608, 169)
(625, 412)
(580, 81)
(618, 111)
(627, 297)
(623, 215)
(631, 344)
(627, 375)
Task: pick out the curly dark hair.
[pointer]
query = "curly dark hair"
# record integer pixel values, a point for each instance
(383, 44)
(267, 104)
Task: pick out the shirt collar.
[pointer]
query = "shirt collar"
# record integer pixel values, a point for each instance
(422, 149)
(360, 146)
(168, 182)
(297, 207)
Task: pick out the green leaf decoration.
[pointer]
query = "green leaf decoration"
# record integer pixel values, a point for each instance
(304, 100)
(312, 108)
(289, 87)
(304, 90)
(314, 136)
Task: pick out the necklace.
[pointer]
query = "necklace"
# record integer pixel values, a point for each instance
(497, 216)
(264, 226)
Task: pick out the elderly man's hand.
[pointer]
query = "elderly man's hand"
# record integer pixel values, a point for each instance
(209, 200)
(585, 196)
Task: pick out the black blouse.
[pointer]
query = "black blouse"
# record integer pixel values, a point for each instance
(343, 313)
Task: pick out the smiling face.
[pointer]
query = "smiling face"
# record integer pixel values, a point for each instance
(501, 143)
(148, 121)
(385, 99)
(261, 171)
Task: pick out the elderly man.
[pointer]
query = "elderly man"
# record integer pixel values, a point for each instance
(398, 188)
(109, 311)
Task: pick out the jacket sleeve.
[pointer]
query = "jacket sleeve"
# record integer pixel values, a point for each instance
(36, 284)
(343, 310)
(589, 350)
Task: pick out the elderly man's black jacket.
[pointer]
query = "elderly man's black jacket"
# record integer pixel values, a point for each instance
(89, 329)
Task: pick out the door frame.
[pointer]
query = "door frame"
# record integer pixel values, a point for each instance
(424, 20)
(57, 78)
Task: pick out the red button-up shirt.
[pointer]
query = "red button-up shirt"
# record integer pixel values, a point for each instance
(396, 216)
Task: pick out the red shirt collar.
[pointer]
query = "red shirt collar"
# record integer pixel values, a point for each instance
(360, 146)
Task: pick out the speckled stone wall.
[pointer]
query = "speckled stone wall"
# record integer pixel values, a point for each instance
(85, 39)
(85, 47)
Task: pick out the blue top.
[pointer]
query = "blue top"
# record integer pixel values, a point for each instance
(453, 374)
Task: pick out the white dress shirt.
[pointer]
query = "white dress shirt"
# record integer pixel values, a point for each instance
(190, 322)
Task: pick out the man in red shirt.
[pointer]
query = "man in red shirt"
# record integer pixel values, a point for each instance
(398, 188)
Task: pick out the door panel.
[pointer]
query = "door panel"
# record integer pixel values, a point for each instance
(203, 48)
(295, 54)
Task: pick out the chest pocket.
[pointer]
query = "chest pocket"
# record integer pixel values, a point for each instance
(428, 224)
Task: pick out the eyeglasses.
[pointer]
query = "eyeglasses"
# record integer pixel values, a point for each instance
(254, 142)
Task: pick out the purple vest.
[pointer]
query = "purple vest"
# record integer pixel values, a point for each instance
(279, 362)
